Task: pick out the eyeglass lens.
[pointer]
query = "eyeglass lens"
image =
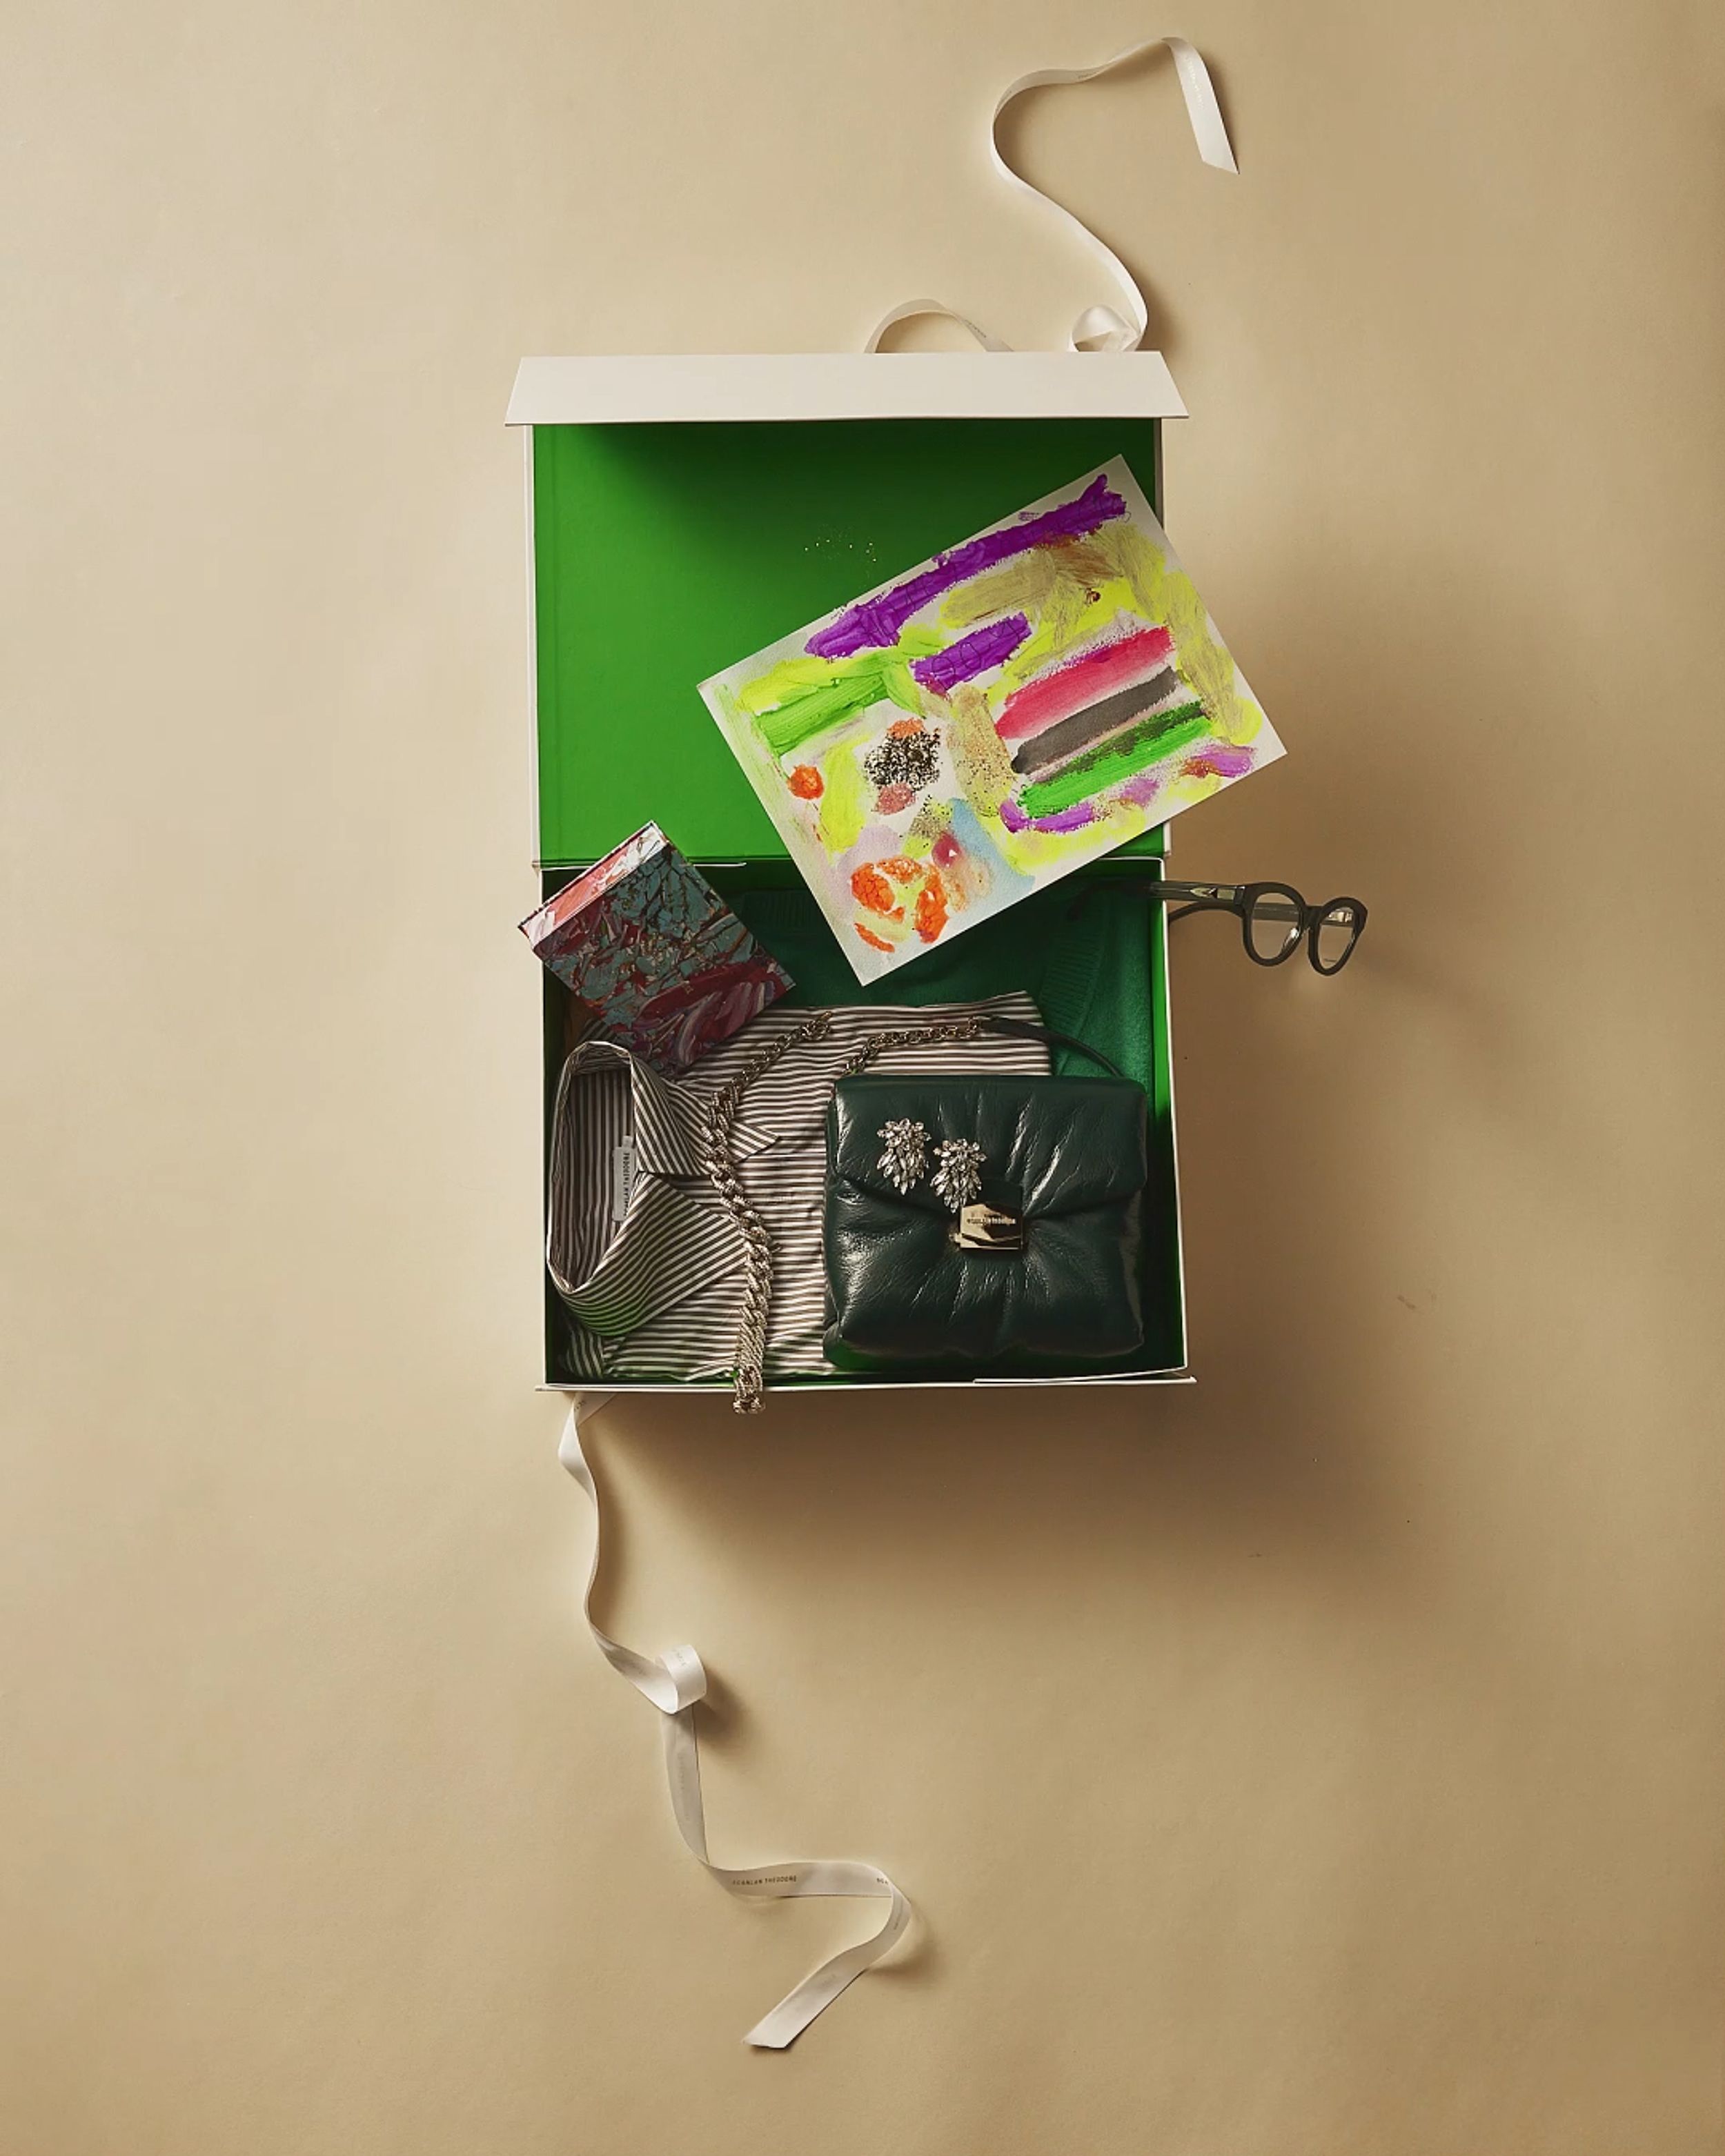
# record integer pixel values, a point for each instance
(1273, 926)
(1333, 936)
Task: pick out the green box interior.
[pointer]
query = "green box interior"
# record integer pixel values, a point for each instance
(663, 553)
(666, 554)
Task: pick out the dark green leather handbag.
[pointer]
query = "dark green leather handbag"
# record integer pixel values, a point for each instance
(985, 1219)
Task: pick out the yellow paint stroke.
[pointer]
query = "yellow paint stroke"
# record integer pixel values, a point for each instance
(981, 762)
(779, 683)
(1165, 594)
(1185, 787)
(1084, 558)
(1069, 593)
(1077, 613)
(887, 671)
(845, 802)
(762, 769)
(1020, 586)
(1074, 593)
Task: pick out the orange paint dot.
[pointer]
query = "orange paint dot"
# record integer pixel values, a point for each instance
(869, 888)
(873, 941)
(902, 729)
(931, 908)
(806, 783)
(903, 869)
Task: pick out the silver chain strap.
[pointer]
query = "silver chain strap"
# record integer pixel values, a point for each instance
(720, 1116)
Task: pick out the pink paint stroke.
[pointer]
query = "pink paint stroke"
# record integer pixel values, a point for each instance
(1099, 672)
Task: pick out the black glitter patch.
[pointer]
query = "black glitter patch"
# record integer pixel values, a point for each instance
(905, 760)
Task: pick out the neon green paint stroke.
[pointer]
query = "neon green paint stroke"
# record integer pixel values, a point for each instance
(1146, 743)
(1165, 593)
(845, 802)
(797, 719)
(799, 698)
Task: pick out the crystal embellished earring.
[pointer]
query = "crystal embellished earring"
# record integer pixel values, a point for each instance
(959, 1177)
(906, 1158)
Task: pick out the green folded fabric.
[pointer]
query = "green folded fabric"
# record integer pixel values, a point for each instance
(1081, 950)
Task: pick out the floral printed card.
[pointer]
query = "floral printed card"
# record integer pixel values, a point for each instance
(987, 723)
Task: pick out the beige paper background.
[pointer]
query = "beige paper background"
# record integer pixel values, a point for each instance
(1324, 1760)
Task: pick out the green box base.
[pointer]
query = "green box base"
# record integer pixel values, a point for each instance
(987, 968)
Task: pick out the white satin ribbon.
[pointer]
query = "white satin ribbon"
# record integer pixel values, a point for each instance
(1098, 328)
(675, 1681)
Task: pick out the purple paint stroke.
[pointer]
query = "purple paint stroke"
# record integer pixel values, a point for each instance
(1064, 819)
(972, 655)
(872, 624)
(1221, 759)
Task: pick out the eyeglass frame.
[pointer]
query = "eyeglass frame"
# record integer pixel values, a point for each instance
(1244, 898)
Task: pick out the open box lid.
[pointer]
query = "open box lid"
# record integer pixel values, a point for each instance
(684, 512)
(610, 390)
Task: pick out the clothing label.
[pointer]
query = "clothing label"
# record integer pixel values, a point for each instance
(622, 1178)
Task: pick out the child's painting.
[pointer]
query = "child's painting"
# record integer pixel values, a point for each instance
(992, 720)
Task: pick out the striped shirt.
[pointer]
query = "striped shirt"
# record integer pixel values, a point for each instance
(638, 1243)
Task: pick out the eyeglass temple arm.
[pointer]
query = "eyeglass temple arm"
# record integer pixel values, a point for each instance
(1227, 897)
(1218, 897)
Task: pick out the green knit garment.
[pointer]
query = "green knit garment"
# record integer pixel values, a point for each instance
(1081, 950)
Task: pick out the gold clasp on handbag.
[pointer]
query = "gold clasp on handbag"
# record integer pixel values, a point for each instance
(986, 1227)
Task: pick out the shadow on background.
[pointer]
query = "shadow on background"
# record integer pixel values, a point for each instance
(1313, 1182)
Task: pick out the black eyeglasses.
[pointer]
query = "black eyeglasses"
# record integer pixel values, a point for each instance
(1274, 919)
